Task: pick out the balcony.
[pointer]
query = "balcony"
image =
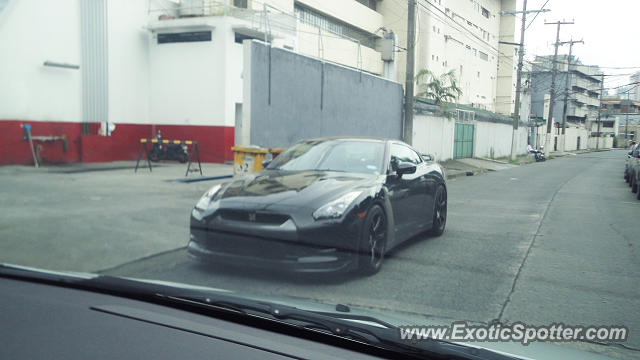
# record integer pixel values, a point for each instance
(586, 100)
(249, 18)
(579, 83)
(577, 111)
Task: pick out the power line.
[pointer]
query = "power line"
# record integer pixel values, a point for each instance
(536, 15)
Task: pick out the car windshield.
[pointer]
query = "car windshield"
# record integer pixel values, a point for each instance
(333, 155)
(426, 162)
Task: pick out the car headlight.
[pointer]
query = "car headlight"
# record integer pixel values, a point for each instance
(336, 208)
(205, 200)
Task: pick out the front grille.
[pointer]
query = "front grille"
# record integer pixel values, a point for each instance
(243, 245)
(256, 217)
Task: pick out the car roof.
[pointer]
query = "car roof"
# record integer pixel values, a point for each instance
(347, 138)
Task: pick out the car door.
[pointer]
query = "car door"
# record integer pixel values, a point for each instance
(634, 167)
(407, 193)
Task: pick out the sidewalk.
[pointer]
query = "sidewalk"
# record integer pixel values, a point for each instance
(455, 168)
(168, 171)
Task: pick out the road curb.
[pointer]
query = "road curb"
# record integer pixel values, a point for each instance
(463, 174)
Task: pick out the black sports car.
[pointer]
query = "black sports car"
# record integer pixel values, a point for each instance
(323, 205)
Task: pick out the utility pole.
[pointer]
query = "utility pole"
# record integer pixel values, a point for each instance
(566, 88)
(408, 88)
(600, 110)
(552, 92)
(516, 112)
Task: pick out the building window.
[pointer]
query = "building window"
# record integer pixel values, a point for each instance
(371, 4)
(485, 13)
(484, 56)
(475, 52)
(240, 3)
(239, 38)
(334, 26)
(192, 36)
(478, 75)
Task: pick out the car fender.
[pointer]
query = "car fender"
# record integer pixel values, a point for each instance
(383, 200)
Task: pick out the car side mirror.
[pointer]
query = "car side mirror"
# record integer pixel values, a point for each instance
(405, 168)
(427, 157)
(265, 163)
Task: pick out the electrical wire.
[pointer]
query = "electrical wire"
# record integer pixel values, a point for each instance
(536, 15)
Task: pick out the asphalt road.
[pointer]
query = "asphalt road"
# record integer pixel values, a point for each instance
(540, 243)
(543, 243)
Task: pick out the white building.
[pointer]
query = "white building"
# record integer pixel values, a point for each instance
(76, 68)
(71, 67)
(462, 36)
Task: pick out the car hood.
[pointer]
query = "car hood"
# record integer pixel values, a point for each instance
(292, 188)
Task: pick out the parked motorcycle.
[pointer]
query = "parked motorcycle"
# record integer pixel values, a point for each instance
(160, 151)
(539, 155)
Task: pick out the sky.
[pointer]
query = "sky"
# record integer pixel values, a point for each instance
(610, 30)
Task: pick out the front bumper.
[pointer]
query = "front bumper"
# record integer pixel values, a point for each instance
(311, 247)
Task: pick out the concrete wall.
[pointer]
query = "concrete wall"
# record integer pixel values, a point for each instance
(570, 139)
(603, 143)
(434, 135)
(187, 80)
(128, 63)
(32, 32)
(330, 100)
(494, 139)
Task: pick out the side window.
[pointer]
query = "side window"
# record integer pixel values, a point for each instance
(401, 153)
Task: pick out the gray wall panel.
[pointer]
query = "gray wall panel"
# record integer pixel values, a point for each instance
(311, 99)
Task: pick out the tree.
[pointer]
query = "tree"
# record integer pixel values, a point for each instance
(441, 89)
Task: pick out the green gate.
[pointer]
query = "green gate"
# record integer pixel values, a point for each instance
(463, 141)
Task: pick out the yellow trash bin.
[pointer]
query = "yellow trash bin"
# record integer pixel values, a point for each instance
(276, 151)
(247, 159)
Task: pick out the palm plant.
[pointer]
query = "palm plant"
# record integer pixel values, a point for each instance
(441, 89)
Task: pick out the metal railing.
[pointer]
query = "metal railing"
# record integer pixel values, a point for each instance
(264, 20)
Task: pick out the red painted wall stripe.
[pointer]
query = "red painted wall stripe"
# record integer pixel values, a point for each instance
(215, 142)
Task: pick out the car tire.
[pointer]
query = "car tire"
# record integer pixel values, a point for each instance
(439, 220)
(373, 243)
(634, 184)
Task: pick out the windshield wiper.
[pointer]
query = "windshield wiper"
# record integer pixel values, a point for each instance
(381, 335)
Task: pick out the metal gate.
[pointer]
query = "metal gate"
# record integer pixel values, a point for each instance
(463, 141)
